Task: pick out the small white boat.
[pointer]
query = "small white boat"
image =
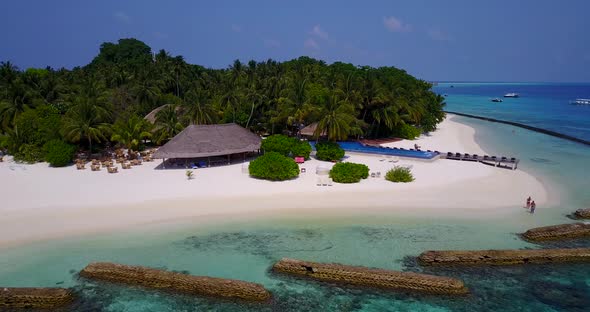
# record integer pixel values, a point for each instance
(496, 100)
(511, 95)
(581, 102)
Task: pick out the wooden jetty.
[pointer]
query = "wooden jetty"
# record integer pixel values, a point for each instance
(503, 257)
(378, 278)
(172, 281)
(34, 298)
(555, 232)
(501, 162)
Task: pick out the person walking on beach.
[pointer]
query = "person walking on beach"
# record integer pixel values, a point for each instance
(533, 206)
(528, 202)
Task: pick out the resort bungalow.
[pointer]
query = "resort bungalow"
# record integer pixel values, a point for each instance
(309, 131)
(206, 145)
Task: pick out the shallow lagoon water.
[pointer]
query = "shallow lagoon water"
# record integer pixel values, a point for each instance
(247, 249)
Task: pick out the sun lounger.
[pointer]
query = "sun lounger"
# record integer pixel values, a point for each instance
(378, 174)
(329, 181)
(325, 182)
(372, 174)
(319, 181)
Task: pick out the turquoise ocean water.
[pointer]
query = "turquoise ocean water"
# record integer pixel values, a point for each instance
(246, 250)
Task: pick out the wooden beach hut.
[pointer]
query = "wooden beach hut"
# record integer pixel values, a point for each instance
(309, 131)
(209, 144)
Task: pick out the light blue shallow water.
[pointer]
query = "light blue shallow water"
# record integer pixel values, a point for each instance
(246, 250)
(543, 105)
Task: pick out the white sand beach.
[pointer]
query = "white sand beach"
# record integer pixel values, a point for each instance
(39, 202)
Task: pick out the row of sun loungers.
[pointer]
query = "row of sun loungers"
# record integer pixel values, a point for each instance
(475, 157)
(324, 181)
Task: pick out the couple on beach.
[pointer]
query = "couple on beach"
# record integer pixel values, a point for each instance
(531, 205)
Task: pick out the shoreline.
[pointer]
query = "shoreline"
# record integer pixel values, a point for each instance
(527, 127)
(442, 188)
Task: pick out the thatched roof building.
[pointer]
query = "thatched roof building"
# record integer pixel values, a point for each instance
(151, 117)
(310, 130)
(210, 140)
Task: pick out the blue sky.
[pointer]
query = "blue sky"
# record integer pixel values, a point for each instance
(434, 40)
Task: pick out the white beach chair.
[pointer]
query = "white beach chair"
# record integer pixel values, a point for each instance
(319, 181)
(329, 181)
(325, 181)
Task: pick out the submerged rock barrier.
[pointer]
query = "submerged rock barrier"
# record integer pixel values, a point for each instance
(582, 213)
(39, 298)
(561, 231)
(517, 124)
(160, 279)
(503, 257)
(354, 275)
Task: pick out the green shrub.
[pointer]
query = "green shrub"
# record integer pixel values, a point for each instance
(273, 166)
(407, 132)
(349, 172)
(29, 153)
(59, 153)
(286, 146)
(329, 151)
(399, 174)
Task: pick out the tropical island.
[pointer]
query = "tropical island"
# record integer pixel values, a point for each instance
(130, 105)
(103, 103)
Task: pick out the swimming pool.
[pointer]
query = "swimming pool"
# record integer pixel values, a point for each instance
(360, 148)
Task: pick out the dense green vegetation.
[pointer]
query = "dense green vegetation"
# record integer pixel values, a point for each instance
(399, 174)
(273, 166)
(286, 146)
(349, 172)
(328, 151)
(59, 153)
(103, 103)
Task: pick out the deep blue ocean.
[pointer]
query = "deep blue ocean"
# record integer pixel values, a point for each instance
(543, 105)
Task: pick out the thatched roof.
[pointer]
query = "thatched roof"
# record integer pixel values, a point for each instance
(209, 140)
(310, 130)
(151, 117)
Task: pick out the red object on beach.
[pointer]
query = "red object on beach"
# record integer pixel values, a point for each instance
(299, 159)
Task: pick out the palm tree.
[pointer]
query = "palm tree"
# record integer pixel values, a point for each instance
(18, 98)
(167, 124)
(337, 119)
(130, 131)
(146, 90)
(85, 121)
(198, 111)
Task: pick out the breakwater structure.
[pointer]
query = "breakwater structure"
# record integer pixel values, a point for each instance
(582, 213)
(378, 278)
(172, 281)
(34, 298)
(520, 125)
(555, 232)
(503, 257)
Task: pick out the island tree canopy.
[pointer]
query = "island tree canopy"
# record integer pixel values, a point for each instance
(106, 99)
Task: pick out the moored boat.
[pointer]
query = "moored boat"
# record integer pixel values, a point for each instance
(580, 102)
(511, 95)
(496, 100)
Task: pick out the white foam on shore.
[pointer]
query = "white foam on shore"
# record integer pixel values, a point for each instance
(40, 203)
